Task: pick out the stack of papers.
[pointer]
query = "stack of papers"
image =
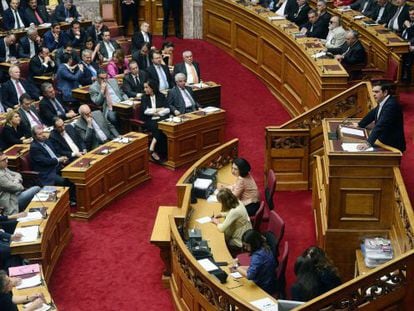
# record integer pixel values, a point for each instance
(30, 216)
(202, 183)
(29, 234)
(359, 17)
(352, 131)
(207, 265)
(30, 282)
(265, 304)
(352, 147)
(319, 54)
(276, 18)
(210, 109)
(41, 197)
(204, 220)
(44, 307)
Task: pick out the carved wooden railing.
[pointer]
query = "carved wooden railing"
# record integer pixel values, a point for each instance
(290, 147)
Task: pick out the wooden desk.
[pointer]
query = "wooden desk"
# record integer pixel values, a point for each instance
(101, 178)
(4, 66)
(14, 153)
(194, 137)
(54, 234)
(191, 286)
(269, 49)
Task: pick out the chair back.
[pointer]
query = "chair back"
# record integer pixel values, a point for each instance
(276, 225)
(258, 217)
(281, 272)
(270, 189)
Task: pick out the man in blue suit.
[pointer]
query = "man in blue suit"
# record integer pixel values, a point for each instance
(54, 39)
(66, 12)
(43, 159)
(14, 17)
(29, 45)
(67, 77)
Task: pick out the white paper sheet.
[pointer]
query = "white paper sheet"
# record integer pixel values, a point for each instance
(40, 197)
(30, 216)
(30, 234)
(351, 131)
(265, 304)
(202, 183)
(352, 147)
(212, 198)
(319, 54)
(30, 282)
(207, 265)
(236, 275)
(210, 109)
(44, 307)
(204, 220)
(276, 18)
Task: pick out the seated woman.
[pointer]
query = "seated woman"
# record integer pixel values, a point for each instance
(315, 274)
(262, 269)
(167, 52)
(118, 64)
(90, 44)
(236, 220)
(245, 188)
(8, 302)
(13, 132)
(154, 108)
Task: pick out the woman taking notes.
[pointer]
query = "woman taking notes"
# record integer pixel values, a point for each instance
(236, 220)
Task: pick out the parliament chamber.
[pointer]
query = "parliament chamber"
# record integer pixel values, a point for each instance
(354, 194)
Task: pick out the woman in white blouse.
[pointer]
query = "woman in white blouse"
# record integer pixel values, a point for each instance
(154, 108)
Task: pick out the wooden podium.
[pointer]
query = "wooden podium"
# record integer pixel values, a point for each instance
(353, 197)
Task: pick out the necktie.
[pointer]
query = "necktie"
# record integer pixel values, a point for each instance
(39, 19)
(100, 134)
(49, 151)
(163, 80)
(194, 73)
(19, 25)
(35, 118)
(136, 80)
(186, 94)
(19, 88)
(59, 108)
(67, 13)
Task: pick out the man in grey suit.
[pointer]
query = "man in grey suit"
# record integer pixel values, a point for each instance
(93, 128)
(106, 92)
(180, 97)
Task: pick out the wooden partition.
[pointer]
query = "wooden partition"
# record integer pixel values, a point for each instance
(290, 148)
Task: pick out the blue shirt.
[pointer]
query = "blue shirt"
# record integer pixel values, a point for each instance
(262, 270)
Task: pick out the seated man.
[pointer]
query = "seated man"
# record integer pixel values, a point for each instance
(29, 115)
(106, 92)
(75, 35)
(388, 119)
(29, 45)
(96, 30)
(66, 140)
(352, 52)
(141, 36)
(382, 12)
(66, 12)
(180, 97)
(401, 14)
(133, 82)
(14, 17)
(159, 72)
(54, 38)
(8, 48)
(314, 28)
(67, 77)
(15, 87)
(301, 15)
(336, 35)
(93, 128)
(324, 16)
(189, 67)
(108, 46)
(67, 49)
(36, 14)
(43, 159)
(408, 58)
(91, 68)
(42, 64)
(364, 6)
(13, 196)
(50, 106)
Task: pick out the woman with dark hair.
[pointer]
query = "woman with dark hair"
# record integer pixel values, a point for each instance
(167, 51)
(90, 44)
(118, 64)
(315, 274)
(245, 188)
(262, 269)
(154, 108)
(8, 302)
(13, 132)
(236, 220)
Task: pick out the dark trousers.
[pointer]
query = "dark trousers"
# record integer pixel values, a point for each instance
(130, 12)
(174, 7)
(407, 63)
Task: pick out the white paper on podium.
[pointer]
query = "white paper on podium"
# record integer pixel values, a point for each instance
(30, 282)
(276, 18)
(210, 109)
(30, 216)
(202, 183)
(351, 131)
(207, 265)
(352, 147)
(265, 304)
(29, 234)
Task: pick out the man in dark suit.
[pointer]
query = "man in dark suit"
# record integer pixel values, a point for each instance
(29, 115)
(396, 22)
(95, 31)
(300, 17)
(75, 35)
(66, 140)
(173, 6)
(36, 14)
(8, 41)
(408, 58)
(141, 36)
(129, 11)
(54, 39)
(133, 82)
(14, 17)
(91, 68)
(51, 106)
(180, 97)
(67, 49)
(364, 6)
(158, 72)
(314, 28)
(388, 119)
(108, 46)
(42, 64)
(189, 67)
(323, 16)
(29, 45)
(66, 12)
(43, 159)
(94, 128)
(352, 52)
(15, 87)
(382, 12)
(142, 56)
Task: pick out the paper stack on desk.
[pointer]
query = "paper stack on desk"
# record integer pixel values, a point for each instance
(376, 251)
(30, 216)
(29, 234)
(210, 109)
(30, 282)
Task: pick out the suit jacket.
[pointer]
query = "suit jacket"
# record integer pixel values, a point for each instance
(176, 101)
(359, 5)
(31, 17)
(291, 8)
(9, 136)
(12, 49)
(67, 81)
(104, 51)
(36, 68)
(59, 53)
(8, 189)
(138, 40)
(99, 99)
(404, 16)
(129, 86)
(25, 122)
(76, 43)
(89, 136)
(355, 56)
(50, 42)
(61, 146)
(9, 93)
(47, 111)
(24, 47)
(86, 77)
(160, 102)
(152, 73)
(335, 38)
(43, 163)
(8, 19)
(388, 13)
(389, 126)
(319, 30)
(143, 63)
(60, 13)
(300, 17)
(91, 32)
(180, 67)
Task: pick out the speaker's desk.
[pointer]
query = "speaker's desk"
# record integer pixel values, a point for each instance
(107, 172)
(193, 137)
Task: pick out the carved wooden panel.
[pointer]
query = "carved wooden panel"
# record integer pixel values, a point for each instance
(360, 204)
(186, 146)
(95, 191)
(246, 42)
(219, 28)
(211, 138)
(272, 60)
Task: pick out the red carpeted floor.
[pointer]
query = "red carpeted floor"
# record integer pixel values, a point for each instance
(110, 264)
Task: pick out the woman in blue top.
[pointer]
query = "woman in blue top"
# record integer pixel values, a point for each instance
(262, 269)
